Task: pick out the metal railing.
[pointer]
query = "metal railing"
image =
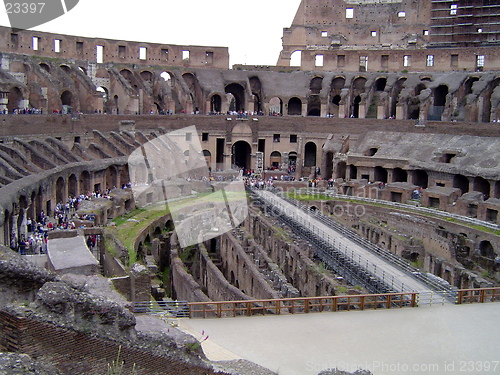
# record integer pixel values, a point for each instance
(478, 295)
(435, 283)
(403, 206)
(173, 309)
(301, 305)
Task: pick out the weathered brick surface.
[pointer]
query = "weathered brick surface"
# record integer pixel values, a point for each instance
(76, 353)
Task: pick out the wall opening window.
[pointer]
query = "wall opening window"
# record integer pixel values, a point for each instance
(425, 32)
(276, 138)
(57, 45)
(384, 61)
(453, 9)
(374, 33)
(454, 61)
(293, 138)
(349, 13)
(363, 63)
(142, 53)
(79, 47)
(479, 30)
(122, 52)
(430, 60)
(35, 43)
(296, 58)
(164, 54)
(204, 137)
(480, 63)
(209, 57)
(185, 55)
(324, 34)
(340, 61)
(406, 60)
(401, 14)
(319, 60)
(99, 51)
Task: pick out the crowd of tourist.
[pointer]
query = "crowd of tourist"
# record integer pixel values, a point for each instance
(33, 237)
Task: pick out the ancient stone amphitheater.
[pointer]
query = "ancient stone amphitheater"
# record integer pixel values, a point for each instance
(422, 134)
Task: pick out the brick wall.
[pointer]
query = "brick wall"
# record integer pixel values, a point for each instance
(75, 353)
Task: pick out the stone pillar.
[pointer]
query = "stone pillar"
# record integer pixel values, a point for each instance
(259, 163)
(140, 283)
(4, 100)
(304, 109)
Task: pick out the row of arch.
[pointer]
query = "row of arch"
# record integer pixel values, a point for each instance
(47, 194)
(386, 91)
(420, 178)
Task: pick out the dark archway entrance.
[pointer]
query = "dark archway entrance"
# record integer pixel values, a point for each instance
(14, 99)
(421, 178)
(239, 96)
(380, 174)
(241, 155)
(215, 104)
(295, 107)
(461, 182)
(310, 154)
(67, 98)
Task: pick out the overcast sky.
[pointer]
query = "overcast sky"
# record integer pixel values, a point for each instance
(252, 30)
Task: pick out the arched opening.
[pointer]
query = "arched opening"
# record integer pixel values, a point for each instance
(486, 250)
(395, 95)
(67, 98)
(399, 175)
(353, 172)
(496, 190)
(275, 106)
(194, 90)
(256, 88)
(437, 109)
(380, 174)
(295, 107)
(65, 68)
(208, 157)
(380, 84)
(488, 100)
(292, 159)
(296, 58)
(461, 182)
(241, 155)
(169, 226)
(421, 178)
(14, 99)
(45, 67)
(355, 106)
(335, 91)
(482, 185)
(314, 102)
(215, 104)
(60, 191)
(146, 75)
(357, 88)
(275, 159)
(329, 165)
(124, 175)
(341, 170)
(468, 85)
(314, 106)
(168, 78)
(85, 182)
(111, 178)
(238, 93)
(72, 186)
(310, 154)
(371, 151)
